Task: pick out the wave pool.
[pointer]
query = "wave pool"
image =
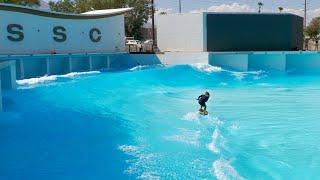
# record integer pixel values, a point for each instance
(143, 123)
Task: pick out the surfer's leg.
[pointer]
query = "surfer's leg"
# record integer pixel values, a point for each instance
(205, 107)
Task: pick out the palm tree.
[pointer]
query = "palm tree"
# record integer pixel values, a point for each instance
(260, 4)
(280, 9)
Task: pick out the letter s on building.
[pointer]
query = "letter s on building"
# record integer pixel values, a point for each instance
(97, 38)
(16, 31)
(59, 32)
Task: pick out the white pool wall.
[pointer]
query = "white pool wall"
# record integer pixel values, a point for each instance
(7, 77)
(183, 57)
(0, 95)
(269, 61)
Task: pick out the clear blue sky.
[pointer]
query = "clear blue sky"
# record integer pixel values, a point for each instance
(269, 5)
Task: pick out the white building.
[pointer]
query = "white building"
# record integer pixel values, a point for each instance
(221, 32)
(32, 31)
(181, 32)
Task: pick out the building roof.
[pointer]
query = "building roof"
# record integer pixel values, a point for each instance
(108, 11)
(88, 15)
(252, 13)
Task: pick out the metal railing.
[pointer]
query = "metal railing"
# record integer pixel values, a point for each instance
(140, 48)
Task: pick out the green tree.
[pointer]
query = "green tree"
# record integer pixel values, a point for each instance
(107, 4)
(260, 4)
(313, 29)
(163, 13)
(280, 9)
(30, 3)
(138, 17)
(134, 19)
(65, 6)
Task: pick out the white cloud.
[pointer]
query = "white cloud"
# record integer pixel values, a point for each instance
(165, 10)
(234, 7)
(300, 12)
(314, 13)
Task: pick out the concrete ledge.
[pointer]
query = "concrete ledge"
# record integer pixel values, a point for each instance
(7, 77)
(267, 61)
(184, 57)
(0, 95)
(57, 67)
(79, 64)
(8, 74)
(126, 61)
(233, 61)
(33, 67)
(303, 62)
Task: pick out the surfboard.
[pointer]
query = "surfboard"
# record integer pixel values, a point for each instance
(204, 113)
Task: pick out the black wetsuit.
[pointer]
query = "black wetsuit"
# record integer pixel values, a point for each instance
(202, 101)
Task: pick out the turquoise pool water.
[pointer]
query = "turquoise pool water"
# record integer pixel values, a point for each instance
(143, 123)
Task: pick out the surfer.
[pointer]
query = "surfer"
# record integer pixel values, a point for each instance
(202, 99)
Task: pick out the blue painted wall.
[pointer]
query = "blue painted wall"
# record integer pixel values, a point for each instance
(268, 61)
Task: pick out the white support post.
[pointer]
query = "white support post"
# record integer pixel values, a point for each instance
(13, 75)
(21, 69)
(90, 63)
(70, 63)
(108, 62)
(48, 66)
(0, 94)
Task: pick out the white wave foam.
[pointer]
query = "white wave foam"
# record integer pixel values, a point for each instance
(33, 81)
(142, 67)
(75, 74)
(148, 176)
(212, 146)
(206, 67)
(265, 84)
(234, 127)
(223, 170)
(129, 149)
(190, 137)
(240, 75)
(196, 117)
(191, 116)
(136, 68)
(211, 121)
(141, 162)
(44, 79)
(283, 89)
(223, 84)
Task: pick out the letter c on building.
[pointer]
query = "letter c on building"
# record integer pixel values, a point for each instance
(16, 31)
(97, 38)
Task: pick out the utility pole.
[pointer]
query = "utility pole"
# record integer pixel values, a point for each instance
(305, 14)
(180, 6)
(153, 33)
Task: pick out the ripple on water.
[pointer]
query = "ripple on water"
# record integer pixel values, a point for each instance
(212, 146)
(223, 170)
(141, 163)
(186, 136)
